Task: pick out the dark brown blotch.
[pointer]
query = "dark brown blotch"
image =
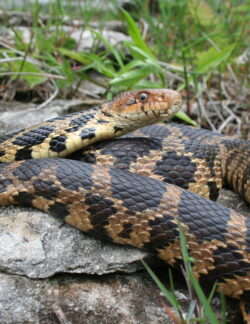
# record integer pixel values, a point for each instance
(4, 183)
(29, 169)
(23, 154)
(34, 136)
(204, 218)
(46, 188)
(176, 169)
(102, 121)
(207, 152)
(24, 198)
(126, 230)
(99, 208)
(117, 129)
(58, 210)
(125, 150)
(82, 119)
(83, 156)
(163, 231)
(213, 190)
(228, 262)
(58, 143)
(88, 133)
(74, 174)
(137, 193)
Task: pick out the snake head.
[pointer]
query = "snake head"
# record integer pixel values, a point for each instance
(144, 107)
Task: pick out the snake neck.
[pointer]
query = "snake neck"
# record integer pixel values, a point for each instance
(62, 136)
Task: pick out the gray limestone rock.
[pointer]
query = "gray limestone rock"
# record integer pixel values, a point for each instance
(122, 299)
(37, 245)
(15, 115)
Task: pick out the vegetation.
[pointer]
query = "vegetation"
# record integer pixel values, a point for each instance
(189, 45)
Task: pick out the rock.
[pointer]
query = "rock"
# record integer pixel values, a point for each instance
(36, 245)
(114, 299)
(83, 299)
(84, 38)
(14, 111)
(232, 200)
(26, 19)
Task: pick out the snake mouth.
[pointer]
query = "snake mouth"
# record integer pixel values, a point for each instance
(169, 111)
(162, 112)
(145, 118)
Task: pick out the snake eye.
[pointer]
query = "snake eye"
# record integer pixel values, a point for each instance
(143, 97)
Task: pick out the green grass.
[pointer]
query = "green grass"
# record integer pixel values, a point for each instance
(193, 39)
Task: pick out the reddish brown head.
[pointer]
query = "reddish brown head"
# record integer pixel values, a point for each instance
(144, 107)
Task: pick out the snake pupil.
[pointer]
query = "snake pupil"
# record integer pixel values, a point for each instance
(143, 97)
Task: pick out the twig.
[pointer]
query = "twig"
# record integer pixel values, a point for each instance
(232, 73)
(144, 28)
(60, 314)
(45, 75)
(88, 93)
(11, 48)
(173, 317)
(52, 97)
(174, 76)
(233, 116)
(224, 90)
(28, 59)
(191, 292)
(11, 59)
(203, 110)
(224, 124)
(170, 66)
(213, 103)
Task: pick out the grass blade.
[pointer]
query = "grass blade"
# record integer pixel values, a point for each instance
(109, 46)
(184, 117)
(135, 33)
(163, 289)
(194, 282)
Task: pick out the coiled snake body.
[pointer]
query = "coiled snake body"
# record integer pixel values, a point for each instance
(126, 208)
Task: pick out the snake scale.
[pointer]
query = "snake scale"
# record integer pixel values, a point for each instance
(143, 209)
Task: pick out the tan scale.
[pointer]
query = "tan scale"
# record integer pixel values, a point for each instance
(235, 287)
(79, 217)
(237, 234)
(145, 165)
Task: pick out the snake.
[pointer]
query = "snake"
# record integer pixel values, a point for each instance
(178, 154)
(129, 194)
